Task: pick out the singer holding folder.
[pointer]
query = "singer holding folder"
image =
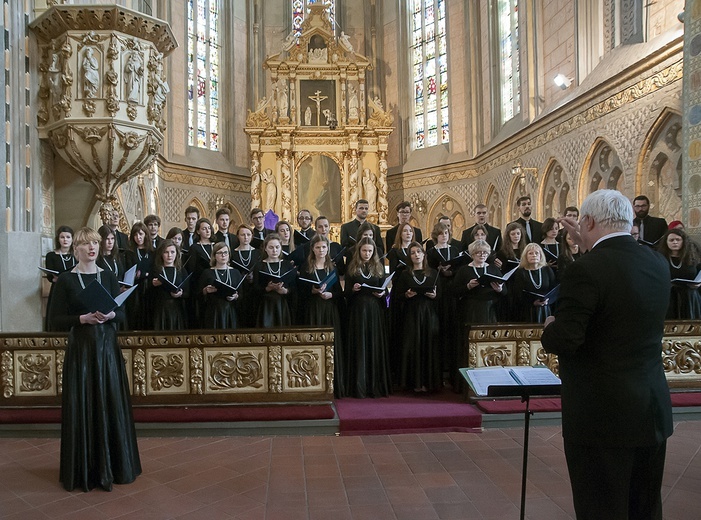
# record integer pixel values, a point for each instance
(98, 439)
(220, 287)
(275, 282)
(368, 366)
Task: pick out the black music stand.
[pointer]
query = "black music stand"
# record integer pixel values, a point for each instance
(525, 392)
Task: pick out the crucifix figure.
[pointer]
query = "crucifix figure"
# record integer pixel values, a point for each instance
(318, 98)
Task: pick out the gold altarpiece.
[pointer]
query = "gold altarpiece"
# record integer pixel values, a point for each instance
(318, 142)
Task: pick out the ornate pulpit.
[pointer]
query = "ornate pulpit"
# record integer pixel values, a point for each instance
(313, 143)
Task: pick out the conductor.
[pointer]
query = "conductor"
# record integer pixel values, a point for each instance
(607, 332)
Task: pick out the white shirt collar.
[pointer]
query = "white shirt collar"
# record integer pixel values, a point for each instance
(610, 235)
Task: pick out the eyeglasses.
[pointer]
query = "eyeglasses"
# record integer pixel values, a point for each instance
(481, 252)
(223, 253)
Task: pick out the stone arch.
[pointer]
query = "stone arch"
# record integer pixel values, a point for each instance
(556, 192)
(198, 204)
(446, 206)
(495, 209)
(602, 169)
(659, 174)
(519, 188)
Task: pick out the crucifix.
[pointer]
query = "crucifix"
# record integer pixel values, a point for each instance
(318, 98)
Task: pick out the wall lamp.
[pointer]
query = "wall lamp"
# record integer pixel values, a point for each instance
(563, 81)
(519, 171)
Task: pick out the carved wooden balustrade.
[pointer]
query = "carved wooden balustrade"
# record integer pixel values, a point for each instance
(184, 368)
(509, 345)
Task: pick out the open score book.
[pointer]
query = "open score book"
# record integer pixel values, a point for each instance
(482, 379)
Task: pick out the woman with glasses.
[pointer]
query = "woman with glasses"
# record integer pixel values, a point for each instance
(216, 286)
(478, 296)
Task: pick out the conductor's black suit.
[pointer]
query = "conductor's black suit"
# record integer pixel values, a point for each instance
(616, 409)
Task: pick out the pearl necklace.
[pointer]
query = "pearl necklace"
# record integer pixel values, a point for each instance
(140, 256)
(674, 265)
(175, 274)
(228, 275)
(417, 280)
(279, 268)
(80, 278)
(367, 277)
(67, 258)
(114, 267)
(245, 262)
(540, 278)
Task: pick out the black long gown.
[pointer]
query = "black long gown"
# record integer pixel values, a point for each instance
(138, 307)
(61, 263)
(366, 341)
(199, 261)
(169, 312)
(538, 281)
(398, 260)
(246, 261)
(98, 439)
(273, 307)
(220, 313)
(445, 307)
(685, 301)
(319, 312)
(420, 359)
(479, 305)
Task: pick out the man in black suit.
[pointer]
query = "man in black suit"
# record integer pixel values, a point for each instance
(306, 231)
(192, 215)
(493, 234)
(121, 240)
(258, 227)
(223, 218)
(607, 332)
(350, 229)
(651, 228)
(404, 217)
(532, 226)
(153, 224)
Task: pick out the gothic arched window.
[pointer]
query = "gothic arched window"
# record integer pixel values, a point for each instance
(508, 59)
(203, 73)
(429, 60)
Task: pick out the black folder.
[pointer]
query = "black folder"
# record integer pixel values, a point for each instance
(97, 299)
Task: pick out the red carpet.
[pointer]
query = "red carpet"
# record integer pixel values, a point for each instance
(179, 414)
(444, 412)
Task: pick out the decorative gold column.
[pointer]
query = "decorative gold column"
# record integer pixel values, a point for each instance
(103, 90)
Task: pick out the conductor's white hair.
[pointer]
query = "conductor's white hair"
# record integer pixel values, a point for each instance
(610, 209)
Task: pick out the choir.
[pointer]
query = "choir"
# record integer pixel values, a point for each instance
(406, 331)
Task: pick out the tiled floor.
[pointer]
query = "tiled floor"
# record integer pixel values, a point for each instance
(412, 477)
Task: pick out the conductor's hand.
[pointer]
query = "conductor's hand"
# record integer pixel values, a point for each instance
(548, 321)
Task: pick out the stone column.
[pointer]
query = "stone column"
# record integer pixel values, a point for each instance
(691, 126)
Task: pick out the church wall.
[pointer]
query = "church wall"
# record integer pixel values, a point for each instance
(558, 46)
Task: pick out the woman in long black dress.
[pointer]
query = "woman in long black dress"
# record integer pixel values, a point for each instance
(683, 257)
(532, 276)
(109, 258)
(420, 359)
(275, 281)
(368, 369)
(245, 259)
(438, 258)
(220, 302)
(284, 230)
(507, 259)
(320, 301)
(398, 257)
(199, 259)
(478, 300)
(139, 254)
(98, 439)
(168, 292)
(61, 259)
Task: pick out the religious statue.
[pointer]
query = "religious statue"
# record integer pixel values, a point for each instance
(370, 189)
(268, 178)
(345, 43)
(353, 114)
(282, 100)
(160, 85)
(308, 116)
(380, 118)
(353, 194)
(382, 203)
(55, 82)
(133, 72)
(259, 117)
(255, 182)
(91, 76)
(289, 41)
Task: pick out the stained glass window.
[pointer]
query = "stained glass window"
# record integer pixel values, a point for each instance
(299, 9)
(430, 71)
(510, 77)
(203, 73)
